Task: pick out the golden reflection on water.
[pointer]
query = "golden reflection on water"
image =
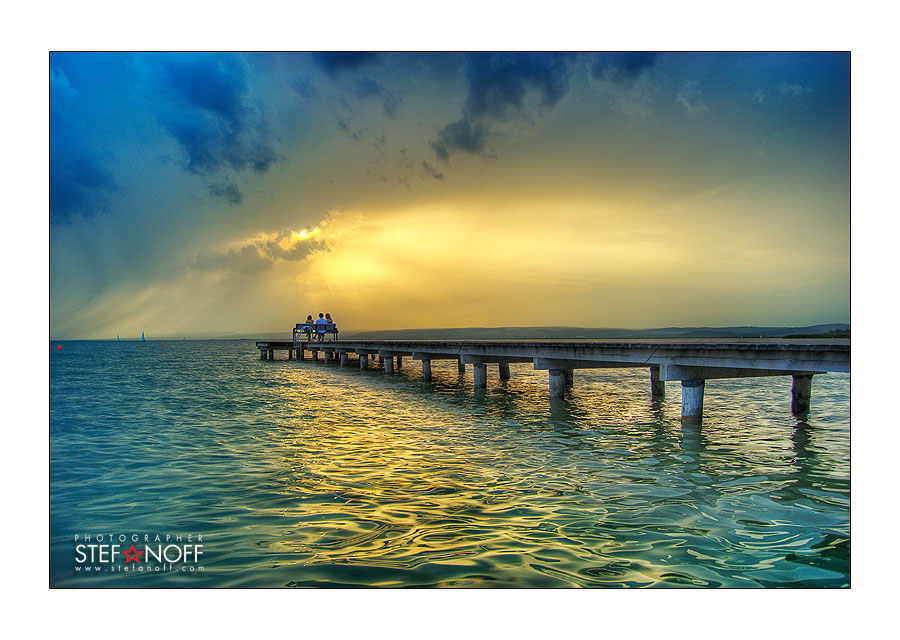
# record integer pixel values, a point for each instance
(395, 473)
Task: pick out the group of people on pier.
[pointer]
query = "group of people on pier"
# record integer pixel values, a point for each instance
(320, 323)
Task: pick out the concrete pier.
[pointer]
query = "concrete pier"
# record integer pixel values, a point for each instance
(657, 386)
(801, 392)
(344, 358)
(557, 383)
(692, 401)
(691, 362)
(480, 375)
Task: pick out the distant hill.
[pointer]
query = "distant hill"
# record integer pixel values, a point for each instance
(575, 333)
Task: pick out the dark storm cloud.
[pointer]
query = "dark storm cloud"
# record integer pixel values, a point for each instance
(501, 85)
(623, 65)
(81, 182)
(207, 111)
(333, 62)
(517, 88)
(79, 185)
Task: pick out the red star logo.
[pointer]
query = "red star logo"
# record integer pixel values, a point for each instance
(132, 552)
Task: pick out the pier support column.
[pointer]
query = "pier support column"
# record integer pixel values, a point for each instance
(504, 371)
(315, 355)
(557, 383)
(380, 359)
(399, 362)
(426, 369)
(262, 354)
(692, 401)
(327, 357)
(290, 354)
(344, 358)
(657, 386)
(271, 354)
(363, 361)
(388, 364)
(300, 353)
(480, 375)
(801, 392)
(460, 366)
(570, 377)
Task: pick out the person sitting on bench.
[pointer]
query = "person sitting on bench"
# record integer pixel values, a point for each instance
(320, 327)
(330, 321)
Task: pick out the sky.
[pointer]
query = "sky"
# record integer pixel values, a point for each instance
(205, 194)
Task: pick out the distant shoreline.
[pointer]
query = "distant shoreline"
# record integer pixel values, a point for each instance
(834, 331)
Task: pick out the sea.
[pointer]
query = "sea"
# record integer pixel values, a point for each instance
(194, 464)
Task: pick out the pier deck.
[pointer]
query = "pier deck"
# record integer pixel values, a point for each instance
(689, 361)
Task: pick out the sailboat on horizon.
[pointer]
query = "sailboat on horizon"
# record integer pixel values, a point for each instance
(143, 339)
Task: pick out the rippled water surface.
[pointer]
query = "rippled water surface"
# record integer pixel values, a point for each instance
(306, 474)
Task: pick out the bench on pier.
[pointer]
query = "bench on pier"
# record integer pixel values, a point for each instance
(312, 331)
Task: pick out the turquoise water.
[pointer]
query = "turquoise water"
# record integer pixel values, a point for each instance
(306, 474)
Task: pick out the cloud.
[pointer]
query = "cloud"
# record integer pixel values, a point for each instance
(81, 182)
(628, 78)
(367, 87)
(623, 66)
(460, 136)
(344, 124)
(303, 86)
(689, 98)
(205, 108)
(334, 62)
(514, 85)
(228, 192)
(430, 170)
(505, 90)
(793, 90)
(262, 252)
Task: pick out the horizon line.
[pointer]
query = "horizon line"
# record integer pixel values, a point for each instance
(226, 335)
